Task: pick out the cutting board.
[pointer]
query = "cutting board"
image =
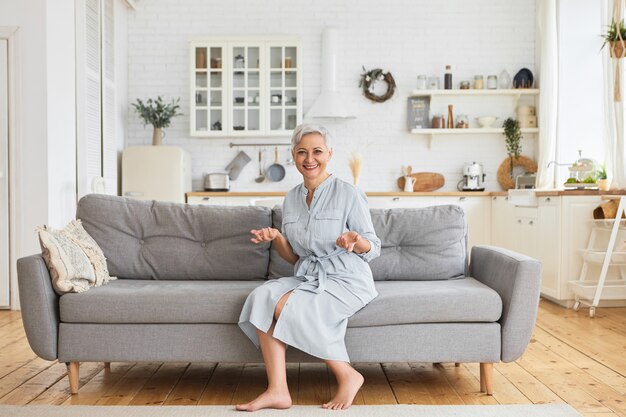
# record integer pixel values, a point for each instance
(424, 181)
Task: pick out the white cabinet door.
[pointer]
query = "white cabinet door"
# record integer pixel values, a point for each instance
(478, 213)
(548, 243)
(400, 202)
(502, 222)
(209, 89)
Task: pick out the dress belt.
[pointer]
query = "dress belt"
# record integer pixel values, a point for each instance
(321, 269)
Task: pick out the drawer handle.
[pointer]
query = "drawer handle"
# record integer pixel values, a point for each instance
(519, 221)
(531, 222)
(395, 199)
(462, 198)
(494, 198)
(548, 200)
(206, 198)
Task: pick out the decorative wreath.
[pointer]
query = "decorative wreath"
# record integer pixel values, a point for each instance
(369, 78)
(504, 170)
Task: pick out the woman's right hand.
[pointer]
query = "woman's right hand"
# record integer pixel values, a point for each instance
(267, 234)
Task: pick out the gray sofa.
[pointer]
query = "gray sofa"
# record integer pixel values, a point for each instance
(184, 272)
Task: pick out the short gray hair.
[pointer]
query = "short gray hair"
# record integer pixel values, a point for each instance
(306, 129)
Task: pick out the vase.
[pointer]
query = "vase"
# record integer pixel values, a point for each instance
(604, 185)
(157, 136)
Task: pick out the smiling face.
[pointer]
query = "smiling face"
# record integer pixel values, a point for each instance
(311, 156)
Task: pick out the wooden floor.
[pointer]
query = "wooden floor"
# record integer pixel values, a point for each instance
(571, 359)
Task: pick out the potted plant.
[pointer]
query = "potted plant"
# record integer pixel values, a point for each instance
(513, 135)
(615, 36)
(157, 113)
(601, 180)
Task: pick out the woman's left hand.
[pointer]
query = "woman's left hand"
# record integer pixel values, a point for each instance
(348, 240)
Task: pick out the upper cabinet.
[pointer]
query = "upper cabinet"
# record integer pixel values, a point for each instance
(245, 87)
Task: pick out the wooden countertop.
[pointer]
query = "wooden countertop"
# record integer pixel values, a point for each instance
(540, 193)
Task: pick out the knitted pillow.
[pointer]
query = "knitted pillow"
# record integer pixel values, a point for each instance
(74, 259)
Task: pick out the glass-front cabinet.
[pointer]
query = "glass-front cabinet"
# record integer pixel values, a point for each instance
(247, 87)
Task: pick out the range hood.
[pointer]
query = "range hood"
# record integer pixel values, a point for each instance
(329, 104)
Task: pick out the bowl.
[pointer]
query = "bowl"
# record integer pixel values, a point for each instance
(486, 121)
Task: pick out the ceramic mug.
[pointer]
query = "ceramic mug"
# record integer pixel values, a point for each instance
(409, 182)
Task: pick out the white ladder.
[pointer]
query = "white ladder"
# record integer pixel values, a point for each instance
(610, 250)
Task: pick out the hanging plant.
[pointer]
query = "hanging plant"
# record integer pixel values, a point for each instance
(615, 37)
(369, 78)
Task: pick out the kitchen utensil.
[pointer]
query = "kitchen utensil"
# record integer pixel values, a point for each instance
(473, 178)
(424, 181)
(486, 121)
(275, 172)
(409, 182)
(261, 176)
(216, 181)
(523, 79)
(237, 164)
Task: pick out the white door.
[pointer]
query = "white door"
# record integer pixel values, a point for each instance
(4, 177)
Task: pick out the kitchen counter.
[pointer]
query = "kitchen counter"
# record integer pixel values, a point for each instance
(540, 193)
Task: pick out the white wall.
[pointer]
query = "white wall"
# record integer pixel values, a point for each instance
(408, 37)
(61, 107)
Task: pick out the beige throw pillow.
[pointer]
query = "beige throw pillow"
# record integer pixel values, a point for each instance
(75, 260)
(70, 268)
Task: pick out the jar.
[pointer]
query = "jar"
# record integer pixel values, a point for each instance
(478, 82)
(464, 85)
(421, 82)
(438, 121)
(492, 82)
(433, 83)
(462, 121)
(288, 62)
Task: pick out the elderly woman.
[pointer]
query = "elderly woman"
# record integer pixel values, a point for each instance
(327, 234)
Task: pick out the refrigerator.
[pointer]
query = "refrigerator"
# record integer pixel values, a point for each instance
(160, 173)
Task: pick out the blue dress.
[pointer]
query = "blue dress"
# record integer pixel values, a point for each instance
(329, 284)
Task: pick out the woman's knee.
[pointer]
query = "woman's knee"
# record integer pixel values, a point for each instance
(280, 304)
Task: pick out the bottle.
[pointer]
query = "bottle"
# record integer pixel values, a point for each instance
(478, 82)
(450, 117)
(447, 81)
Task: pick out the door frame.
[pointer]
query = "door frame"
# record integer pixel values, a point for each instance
(11, 35)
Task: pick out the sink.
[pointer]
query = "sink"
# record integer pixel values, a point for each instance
(526, 198)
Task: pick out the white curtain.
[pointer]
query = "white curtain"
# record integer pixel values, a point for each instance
(548, 78)
(613, 110)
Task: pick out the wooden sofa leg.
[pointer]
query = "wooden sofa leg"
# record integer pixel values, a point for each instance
(107, 366)
(72, 374)
(457, 364)
(486, 378)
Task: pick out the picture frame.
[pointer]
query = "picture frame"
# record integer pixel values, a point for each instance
(418, 112)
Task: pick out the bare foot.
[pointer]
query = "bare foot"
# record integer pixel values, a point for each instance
(349, 385)
(269, 399)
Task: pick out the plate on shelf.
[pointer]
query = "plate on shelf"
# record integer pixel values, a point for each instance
(581, 185)
(523, 79)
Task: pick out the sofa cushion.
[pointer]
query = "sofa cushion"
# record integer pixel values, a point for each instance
(169, 241)
(151, 301)
(142, 301)
(420, 243)
(443, 301)
(416, 244)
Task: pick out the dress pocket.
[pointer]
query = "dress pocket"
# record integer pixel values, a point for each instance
(329, 224)
(289, 225)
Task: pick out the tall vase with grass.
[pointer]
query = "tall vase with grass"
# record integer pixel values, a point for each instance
(355, 162)
(157, 113)
(513, 137)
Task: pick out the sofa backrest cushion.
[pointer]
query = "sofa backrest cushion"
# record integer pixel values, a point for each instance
(417, 244)
(169, 241)
(420, 243)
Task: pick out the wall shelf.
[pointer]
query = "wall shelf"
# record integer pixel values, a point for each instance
(467, 131)
(472, 92)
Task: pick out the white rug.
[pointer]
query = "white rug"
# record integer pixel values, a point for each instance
(542, 410)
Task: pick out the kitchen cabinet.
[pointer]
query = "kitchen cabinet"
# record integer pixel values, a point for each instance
(478, 214)
(548, 244)
(245, 87)
(502, 217)
(400, 202)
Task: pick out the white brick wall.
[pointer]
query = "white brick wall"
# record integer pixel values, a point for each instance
(408, 37)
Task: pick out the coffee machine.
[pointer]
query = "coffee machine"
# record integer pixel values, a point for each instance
(473, 178)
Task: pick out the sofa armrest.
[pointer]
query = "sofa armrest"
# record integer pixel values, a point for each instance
(40, 306)
(517, 279)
